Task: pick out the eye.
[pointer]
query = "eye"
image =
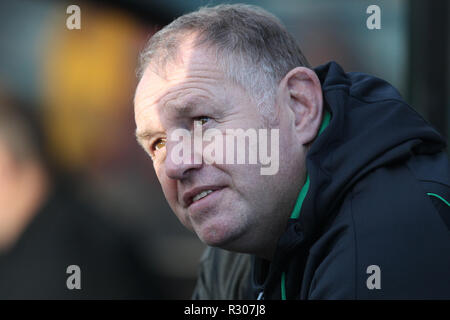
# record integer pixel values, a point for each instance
(202, 119)
(158, 144)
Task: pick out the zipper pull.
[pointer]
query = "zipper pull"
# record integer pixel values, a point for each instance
(260, 295)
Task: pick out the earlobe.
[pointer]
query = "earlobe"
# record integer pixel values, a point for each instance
(304, 99)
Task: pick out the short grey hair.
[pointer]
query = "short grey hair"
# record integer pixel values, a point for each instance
(251, 46)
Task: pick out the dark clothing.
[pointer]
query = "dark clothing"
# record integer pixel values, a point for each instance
(66, 232)
(377, 196)
(223, 275)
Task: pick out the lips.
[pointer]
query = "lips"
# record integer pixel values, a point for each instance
(201, 195)
(198, 193)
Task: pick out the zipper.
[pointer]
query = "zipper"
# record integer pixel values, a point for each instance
(261, 295)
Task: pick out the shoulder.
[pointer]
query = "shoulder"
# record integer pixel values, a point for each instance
(389, 225)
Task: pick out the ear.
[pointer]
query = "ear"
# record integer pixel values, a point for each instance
(301, 93)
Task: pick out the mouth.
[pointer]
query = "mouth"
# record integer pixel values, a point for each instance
(198, 194)
(201, 195)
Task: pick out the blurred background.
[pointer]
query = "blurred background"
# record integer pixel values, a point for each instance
(78, 85)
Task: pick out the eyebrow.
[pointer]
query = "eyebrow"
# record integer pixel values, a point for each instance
(145, 135)
(186, 107)
(182, 109)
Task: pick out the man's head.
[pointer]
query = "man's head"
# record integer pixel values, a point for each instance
(228, 67)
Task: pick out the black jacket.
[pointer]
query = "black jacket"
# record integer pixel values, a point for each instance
(373, 220)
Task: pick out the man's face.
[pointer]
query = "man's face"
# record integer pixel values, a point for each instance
(245, 210)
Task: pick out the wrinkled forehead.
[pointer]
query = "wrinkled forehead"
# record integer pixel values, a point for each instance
(185, 52)
(194, 68)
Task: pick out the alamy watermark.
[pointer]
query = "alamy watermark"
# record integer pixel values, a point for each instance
(73, 22)
(374, 280)
(234, 146)
(74, 280)
(374, 20)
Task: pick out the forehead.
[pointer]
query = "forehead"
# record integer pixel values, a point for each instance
(193, 73)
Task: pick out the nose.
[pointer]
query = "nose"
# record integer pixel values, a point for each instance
(180, 161)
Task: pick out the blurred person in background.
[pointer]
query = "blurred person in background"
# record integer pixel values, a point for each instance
(359, 207)
(45, 227)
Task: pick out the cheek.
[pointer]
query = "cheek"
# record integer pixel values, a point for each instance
(247, 182)
(169, 186)
(170, 190)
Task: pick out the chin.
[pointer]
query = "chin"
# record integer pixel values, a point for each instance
(218, 234)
